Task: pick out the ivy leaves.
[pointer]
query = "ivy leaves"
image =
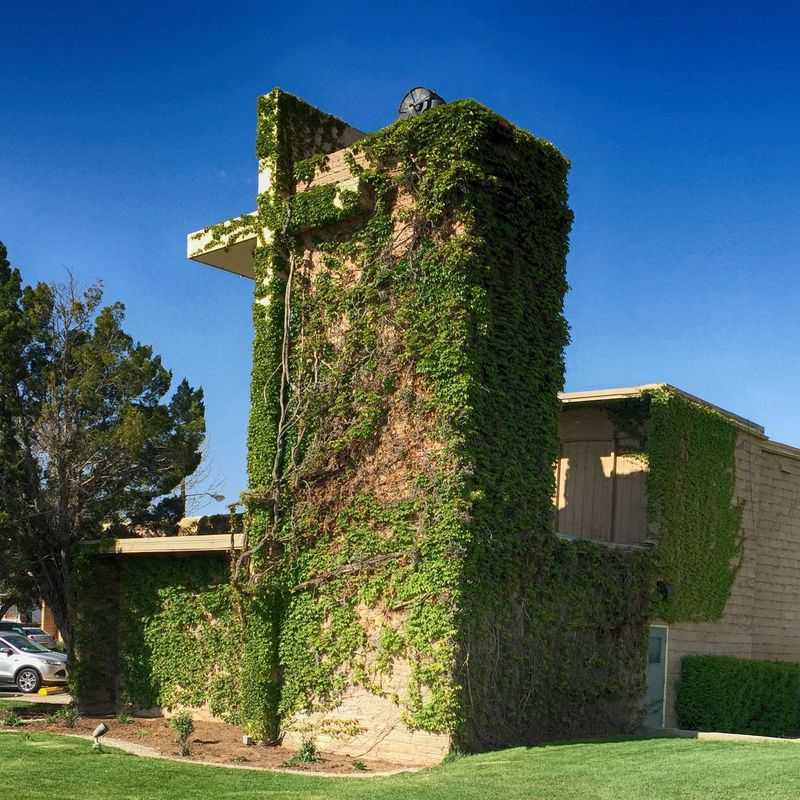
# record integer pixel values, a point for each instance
(691, 493)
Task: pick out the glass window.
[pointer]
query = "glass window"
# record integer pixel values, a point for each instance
(654, 650)
(23, 644)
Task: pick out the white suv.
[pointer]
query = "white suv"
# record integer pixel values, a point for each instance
(28, 665)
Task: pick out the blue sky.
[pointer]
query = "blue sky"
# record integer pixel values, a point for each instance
(125, 126)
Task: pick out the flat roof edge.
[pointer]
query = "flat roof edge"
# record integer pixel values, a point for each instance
(625, 392)
(164, 545)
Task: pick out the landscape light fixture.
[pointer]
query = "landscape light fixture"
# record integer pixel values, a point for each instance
(216, 497)
(100, 731)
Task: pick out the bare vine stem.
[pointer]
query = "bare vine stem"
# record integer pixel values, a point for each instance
(280, 437)
(360, 565)
(287, 421)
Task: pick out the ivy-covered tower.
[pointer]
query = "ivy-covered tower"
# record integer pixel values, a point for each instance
(401, 586)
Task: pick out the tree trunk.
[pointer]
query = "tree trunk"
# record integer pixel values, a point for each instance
(54, 582)
(63, 623)
(7, 603)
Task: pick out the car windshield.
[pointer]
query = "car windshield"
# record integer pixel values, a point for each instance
(23, 644)
(10, 626)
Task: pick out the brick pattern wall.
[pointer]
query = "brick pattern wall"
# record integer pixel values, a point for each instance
(762, 617)
(776, 618)
(389, 470)
(335, 170)
(382, 732)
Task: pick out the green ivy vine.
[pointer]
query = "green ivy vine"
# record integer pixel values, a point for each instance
(692, 505)
(408, 352)
(403, 313)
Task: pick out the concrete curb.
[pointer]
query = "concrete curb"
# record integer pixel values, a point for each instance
(713, 736)
(143, 751)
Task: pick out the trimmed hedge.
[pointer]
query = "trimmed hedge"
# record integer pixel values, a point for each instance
(733, 695)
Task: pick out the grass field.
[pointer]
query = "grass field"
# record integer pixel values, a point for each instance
(22, 706)
(9, 703)
(41, 767)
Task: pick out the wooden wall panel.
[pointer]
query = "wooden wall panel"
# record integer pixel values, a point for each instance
(585, 491)
(601, 483)
(630, 499)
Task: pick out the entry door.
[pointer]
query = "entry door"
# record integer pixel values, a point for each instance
(656, 676)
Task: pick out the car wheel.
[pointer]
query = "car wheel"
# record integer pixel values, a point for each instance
(28, 680)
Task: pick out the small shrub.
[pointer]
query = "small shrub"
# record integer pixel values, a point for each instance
(359, 766)
(307, 754)
(10, 719)
(124, 719)
(733, 695)
(71, 716)
(68, 716)
(183, 726)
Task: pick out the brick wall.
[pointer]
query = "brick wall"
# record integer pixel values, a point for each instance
(776, 617)
(334, 169)
(762, 617)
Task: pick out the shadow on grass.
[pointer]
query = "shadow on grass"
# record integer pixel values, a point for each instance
(27, 709)
(643, 736)
(631, 737)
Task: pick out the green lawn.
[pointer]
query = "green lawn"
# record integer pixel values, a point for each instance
(41, 767)
(7, 703)
(27, 707)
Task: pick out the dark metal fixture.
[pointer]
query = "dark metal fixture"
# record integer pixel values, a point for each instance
(664, 590)
(416, 101)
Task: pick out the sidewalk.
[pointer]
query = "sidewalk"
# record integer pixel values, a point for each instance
(60, 699)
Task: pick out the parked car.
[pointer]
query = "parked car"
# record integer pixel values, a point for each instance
(40, 637)
(29, 665)
(11, 627)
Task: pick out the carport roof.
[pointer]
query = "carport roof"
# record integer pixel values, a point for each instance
(167, 545)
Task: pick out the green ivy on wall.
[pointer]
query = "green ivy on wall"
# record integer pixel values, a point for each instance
(95, 634)
(692, 505)
(446, 313)
(403, 427)
(693, 511)
(180, 636)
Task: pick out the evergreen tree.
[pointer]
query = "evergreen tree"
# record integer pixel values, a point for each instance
(89, 442)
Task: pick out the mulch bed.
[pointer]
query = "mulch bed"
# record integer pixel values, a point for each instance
(213, 742)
